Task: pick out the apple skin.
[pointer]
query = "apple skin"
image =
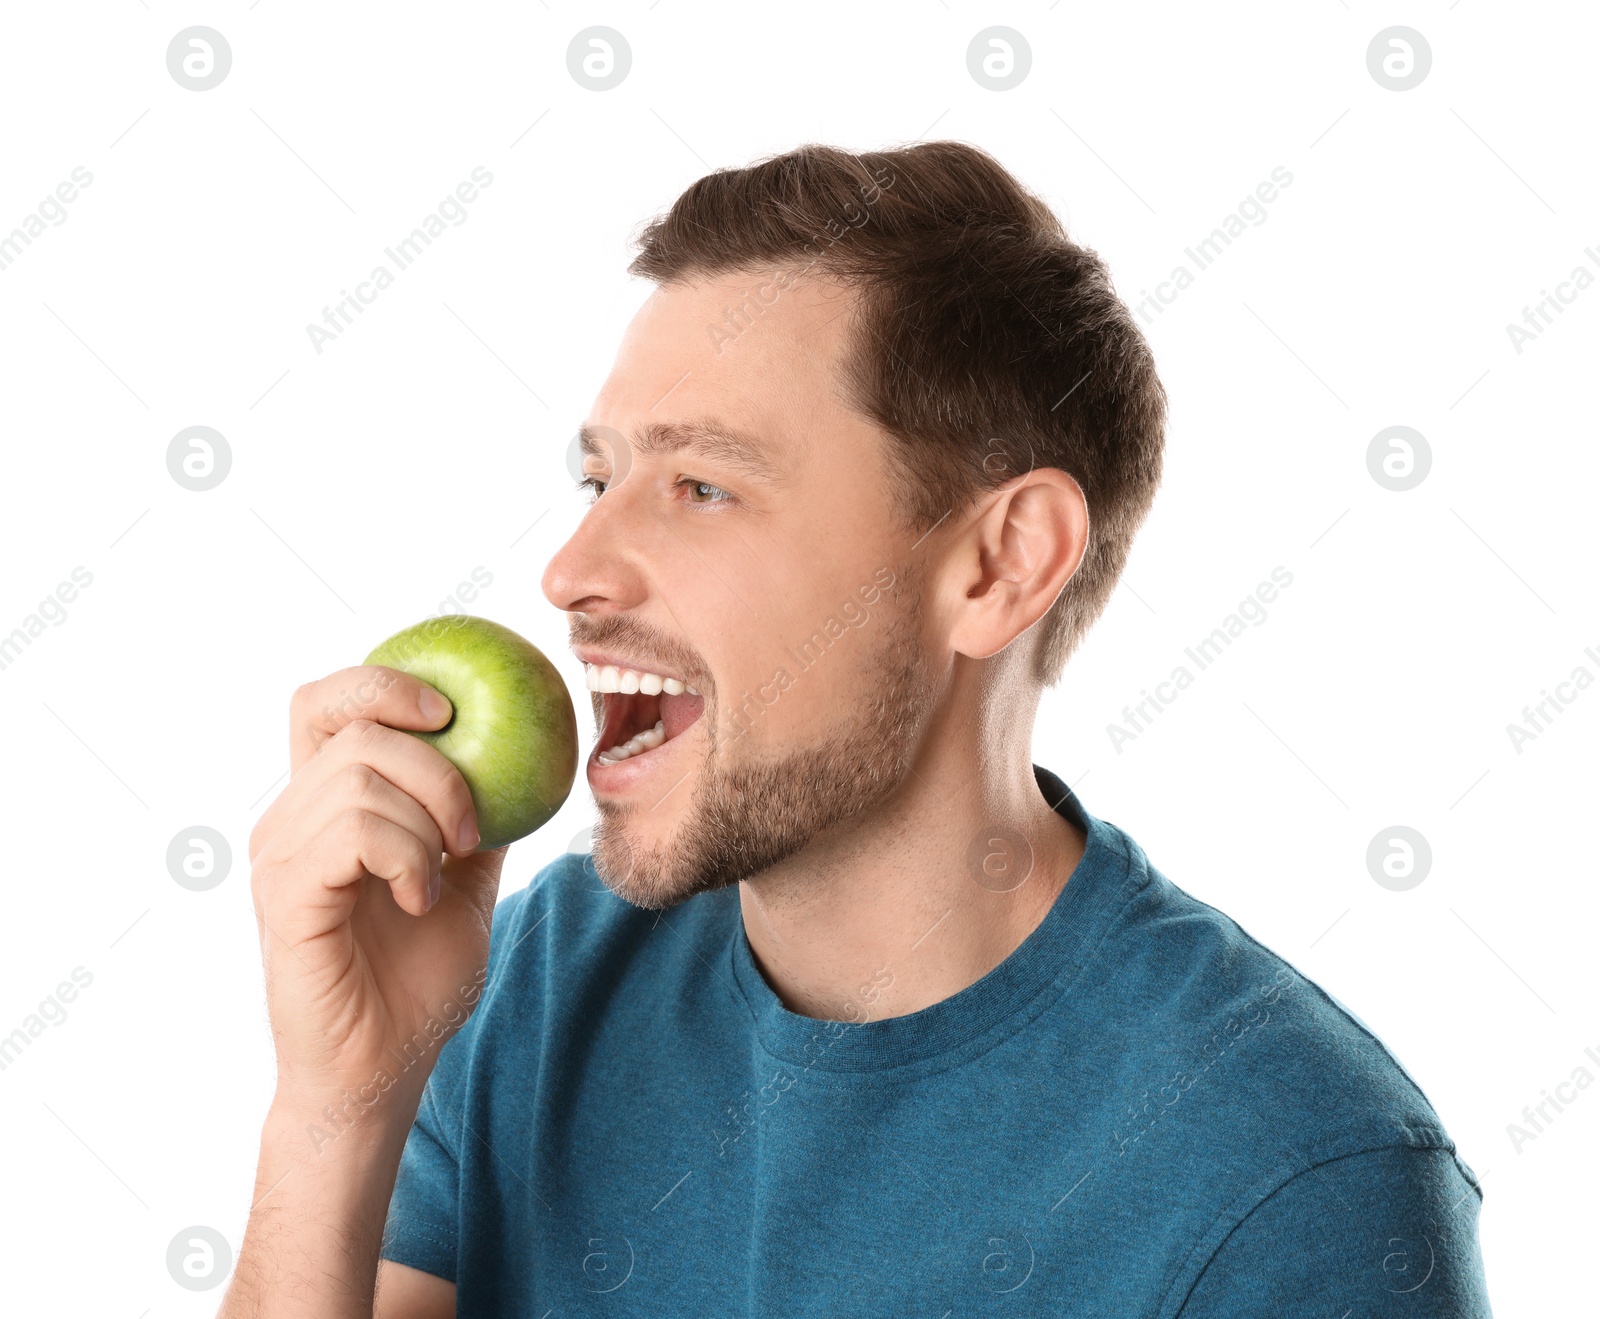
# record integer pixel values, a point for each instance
(513, 734)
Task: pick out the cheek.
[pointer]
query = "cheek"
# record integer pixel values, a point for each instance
(805, 683)
(758, 693)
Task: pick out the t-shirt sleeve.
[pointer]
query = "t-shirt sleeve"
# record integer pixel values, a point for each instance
(422, 1225)
(1386, 1234)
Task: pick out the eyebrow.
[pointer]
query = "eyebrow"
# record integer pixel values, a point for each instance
(705, 439)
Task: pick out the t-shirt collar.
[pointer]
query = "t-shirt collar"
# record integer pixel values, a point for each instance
(993, 1007)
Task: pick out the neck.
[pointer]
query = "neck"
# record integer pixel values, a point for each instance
(922, 896)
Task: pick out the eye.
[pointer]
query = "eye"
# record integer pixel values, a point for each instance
(698, 492)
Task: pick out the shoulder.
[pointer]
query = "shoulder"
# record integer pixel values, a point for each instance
(1320, 1155)
(1233, 1014)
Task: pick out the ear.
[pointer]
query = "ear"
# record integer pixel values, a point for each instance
(1013, 557)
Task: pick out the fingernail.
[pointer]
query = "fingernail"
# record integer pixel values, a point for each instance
(435, 709)
(434, 886)
(469, 835)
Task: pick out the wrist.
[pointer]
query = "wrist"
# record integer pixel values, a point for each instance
(319, 1116)
(339, 1131)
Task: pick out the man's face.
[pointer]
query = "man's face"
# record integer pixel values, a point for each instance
(745, 543)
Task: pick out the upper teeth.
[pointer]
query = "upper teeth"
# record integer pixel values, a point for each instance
(609, 678)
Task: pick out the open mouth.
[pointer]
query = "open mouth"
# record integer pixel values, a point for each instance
(642, 710)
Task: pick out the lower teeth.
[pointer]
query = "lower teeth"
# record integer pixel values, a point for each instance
(651, 737)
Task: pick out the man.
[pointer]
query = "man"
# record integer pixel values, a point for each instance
(854, 1010)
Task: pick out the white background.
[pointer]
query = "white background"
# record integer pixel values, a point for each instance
(368, 480)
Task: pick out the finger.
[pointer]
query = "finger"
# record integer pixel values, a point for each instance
(409, 763)
(320, 709)
(356, 787)
(361, 842)
(305, 895)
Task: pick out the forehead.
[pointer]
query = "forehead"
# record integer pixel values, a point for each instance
(754, 353)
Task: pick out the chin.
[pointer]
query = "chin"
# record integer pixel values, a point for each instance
(647, 872)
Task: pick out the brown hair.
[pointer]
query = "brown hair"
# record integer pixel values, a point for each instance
(986, 342)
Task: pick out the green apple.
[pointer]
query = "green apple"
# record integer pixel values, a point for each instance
(513, 734)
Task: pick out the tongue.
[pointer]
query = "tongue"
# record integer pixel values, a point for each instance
(678, 712)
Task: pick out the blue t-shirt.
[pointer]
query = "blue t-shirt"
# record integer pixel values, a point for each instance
(1140, 1112)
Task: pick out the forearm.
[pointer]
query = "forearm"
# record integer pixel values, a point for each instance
(312, 1242)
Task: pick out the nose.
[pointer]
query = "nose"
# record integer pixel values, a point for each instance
(590, 574)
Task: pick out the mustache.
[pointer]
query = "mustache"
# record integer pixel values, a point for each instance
(629, 636)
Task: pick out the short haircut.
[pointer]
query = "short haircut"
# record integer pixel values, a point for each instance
(986, 343)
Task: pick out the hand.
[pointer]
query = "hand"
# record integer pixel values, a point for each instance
(369, 931)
